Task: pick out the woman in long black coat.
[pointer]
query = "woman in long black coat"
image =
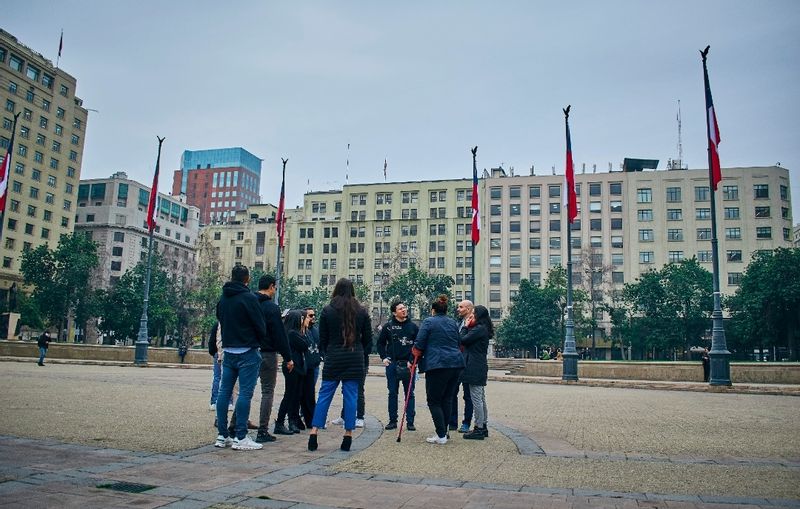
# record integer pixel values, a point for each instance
(345, 340)
(293, 380)
(476, 372)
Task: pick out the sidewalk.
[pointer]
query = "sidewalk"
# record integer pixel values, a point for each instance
(550, 446)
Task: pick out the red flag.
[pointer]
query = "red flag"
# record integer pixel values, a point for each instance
(280, 218)
(572, 198)
(476, 218)
(152, 208)
(5, 170)
(712, 129)
(60, 44)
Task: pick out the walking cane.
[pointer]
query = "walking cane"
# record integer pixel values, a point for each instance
(408, 396)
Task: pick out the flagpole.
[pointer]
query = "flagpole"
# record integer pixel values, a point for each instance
(280, 226)
(474, 224)
(570, 354)
(140, 356)
(719, 356)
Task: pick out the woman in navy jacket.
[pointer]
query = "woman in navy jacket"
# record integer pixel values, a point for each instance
(438, 344)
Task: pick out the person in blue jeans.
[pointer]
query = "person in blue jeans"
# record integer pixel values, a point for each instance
(243, 332)
(43, 342)
(394, 346)
(345, 340)
(216, 368)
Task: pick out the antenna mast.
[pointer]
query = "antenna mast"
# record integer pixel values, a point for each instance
(680, 144)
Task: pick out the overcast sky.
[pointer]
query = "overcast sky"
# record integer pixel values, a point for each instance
(419, 83)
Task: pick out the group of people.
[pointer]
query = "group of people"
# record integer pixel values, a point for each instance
(250, 334)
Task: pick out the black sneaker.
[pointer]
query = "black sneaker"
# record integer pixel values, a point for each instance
(264, 436)
(391, 425)
(411, 427)
(280, 429)
(452, 427)
(475, 434)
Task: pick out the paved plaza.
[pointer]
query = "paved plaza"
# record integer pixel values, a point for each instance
(76, 435)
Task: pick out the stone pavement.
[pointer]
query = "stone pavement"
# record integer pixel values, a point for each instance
(80, 436)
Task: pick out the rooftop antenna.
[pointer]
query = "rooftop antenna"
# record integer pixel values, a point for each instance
(680, 144)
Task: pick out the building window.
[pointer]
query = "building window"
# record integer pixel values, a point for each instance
(704, 234)
(734, 255)
(616, 206)
(644, 195)
(761, 191)
(764, 232)
(702, 193)
(733, 233)
(674, 256)
(702, 213)
(674, 234)
(644, 214)
(731, 212)
(762, 212)
(673, 194)
(596, 225)
(730, 193)
(674, 214)
(734, 278)
(645, 257)
(646, 235)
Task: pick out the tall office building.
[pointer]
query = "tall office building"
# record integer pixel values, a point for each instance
(218, 181)
(47, 154)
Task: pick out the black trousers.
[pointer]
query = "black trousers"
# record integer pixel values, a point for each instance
(307, 399)
(291, 397)
(440, 387)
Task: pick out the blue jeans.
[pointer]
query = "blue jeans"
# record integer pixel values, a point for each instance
(215, 381)
(42, 353)
(326, 392)
(394, 384)
(245, 367)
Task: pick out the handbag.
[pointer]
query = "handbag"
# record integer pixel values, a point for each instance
(401, 370)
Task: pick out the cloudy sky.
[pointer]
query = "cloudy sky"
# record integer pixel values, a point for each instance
(418, 83)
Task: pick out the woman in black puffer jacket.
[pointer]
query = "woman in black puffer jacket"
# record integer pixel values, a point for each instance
(476, 372)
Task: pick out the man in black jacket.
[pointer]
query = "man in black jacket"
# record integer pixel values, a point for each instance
(276, 343)
(394, 346)
(243, 333)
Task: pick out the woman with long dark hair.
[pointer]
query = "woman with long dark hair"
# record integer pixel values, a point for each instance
(293, 380)
(438, 345)
(476, 372)
(345, 339)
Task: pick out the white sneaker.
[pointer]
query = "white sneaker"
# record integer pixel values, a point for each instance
(245, 444)
(359, 423)
(436, 440)
(212, 406)
(338, 421)
(230, 407)
(222, 442)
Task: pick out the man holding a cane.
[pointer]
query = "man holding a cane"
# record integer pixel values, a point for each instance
(394, 346)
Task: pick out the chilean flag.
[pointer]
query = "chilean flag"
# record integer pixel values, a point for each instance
(5, 169)
(476, 218)
(571, 197)
(280, 218)
(152, 206)
(712, 129)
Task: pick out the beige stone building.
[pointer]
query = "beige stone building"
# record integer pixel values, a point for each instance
(628, 223)
(113, 212)
(47, 154)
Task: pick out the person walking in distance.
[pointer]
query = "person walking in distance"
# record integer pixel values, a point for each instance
(476, 348)
(43, 343)
(243, 333)
(394, 346)
(438, 345)
(276, 343)
(345, 339)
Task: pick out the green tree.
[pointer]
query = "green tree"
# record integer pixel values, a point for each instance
(765, 310)
(418, 289)
(61, 279)
(534, 318)
(671, 307)
(202, 300)
(122, 305)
